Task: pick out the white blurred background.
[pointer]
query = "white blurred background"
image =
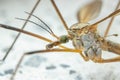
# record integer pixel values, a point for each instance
(52, 66)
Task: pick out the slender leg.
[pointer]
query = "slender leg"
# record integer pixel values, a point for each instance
(110, 23)
(29, 33)
(109, 16)
(21, 28)
(41, 51)
(61, 50)
(59, 14)
(115, 59)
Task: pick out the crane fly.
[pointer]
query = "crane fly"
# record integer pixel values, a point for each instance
(86, 40)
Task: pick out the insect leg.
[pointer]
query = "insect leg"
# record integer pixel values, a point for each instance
(41, 51)
(20, 32)
(29, 33)
(115, 13)
(115, 59)
(61, 50)
(59, 14)
(112, 19)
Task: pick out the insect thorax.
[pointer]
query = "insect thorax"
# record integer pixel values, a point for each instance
(87, 40)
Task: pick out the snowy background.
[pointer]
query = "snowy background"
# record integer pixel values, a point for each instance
(52, 66)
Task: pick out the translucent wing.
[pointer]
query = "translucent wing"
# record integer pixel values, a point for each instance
(90, 11)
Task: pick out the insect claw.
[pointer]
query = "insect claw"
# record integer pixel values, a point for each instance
(49, 46)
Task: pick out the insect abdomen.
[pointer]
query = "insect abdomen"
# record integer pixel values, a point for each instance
(111, 46)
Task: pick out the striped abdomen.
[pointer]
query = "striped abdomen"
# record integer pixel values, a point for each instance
(111, 46)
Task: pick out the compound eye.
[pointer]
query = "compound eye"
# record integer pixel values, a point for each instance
(64, 39)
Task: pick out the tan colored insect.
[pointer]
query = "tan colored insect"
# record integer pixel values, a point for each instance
(84, 36)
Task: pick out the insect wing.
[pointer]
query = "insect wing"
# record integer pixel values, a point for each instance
(90, 11)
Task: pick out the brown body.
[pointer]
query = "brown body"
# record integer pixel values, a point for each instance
(111, 46)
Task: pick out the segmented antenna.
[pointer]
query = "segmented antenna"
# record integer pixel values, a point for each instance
(41, 21)
(49, 30)
(35, 24)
